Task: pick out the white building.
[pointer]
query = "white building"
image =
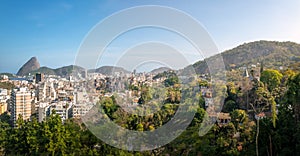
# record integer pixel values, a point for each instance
(46, 91)
(79, 110)
(62, 108)
(3, 95)
(81, 105)
(42, 111)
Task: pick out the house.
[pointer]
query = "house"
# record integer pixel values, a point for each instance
(223, 118)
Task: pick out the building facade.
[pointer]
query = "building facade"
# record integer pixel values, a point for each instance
(20, 104)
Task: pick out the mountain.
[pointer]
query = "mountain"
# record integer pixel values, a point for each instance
(68, 70)
(44, 70)
(160, 70)
(7, 74)
(272, 54)
(108, 70)
(29, 66)
(62, 71)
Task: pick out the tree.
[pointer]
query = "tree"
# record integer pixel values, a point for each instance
(5, 118)
(293, 95)
(262, 100)
(4, 129)
(238, 117)
(33, 137)
(272, 78)
(229, 106)
(203, 83)
(54, 131)
(146, 95)
(171, 80)
(173, 95)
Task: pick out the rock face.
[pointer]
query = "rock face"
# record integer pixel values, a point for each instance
(29, 66)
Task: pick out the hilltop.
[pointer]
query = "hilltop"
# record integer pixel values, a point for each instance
(272, 54)
(62, 71)
(160, 70)
(109, 70)
(31, 65)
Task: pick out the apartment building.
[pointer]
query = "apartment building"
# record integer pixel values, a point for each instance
(20, 102)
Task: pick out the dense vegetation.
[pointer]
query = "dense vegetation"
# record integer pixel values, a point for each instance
(273, 134)
(273, 54)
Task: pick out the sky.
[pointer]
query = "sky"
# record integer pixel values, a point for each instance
(54, 30)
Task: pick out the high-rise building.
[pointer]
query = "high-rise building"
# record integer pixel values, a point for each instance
(80, 106)
(46, 91)
(42, 111)
(20, 104)
(39, 77)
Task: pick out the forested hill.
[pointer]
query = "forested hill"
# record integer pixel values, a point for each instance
(62, 71)
(109, 70)
(273, 54)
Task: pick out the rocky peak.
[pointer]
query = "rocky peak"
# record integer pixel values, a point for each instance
(29, 66)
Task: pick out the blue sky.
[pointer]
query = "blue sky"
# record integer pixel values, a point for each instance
(53, 30)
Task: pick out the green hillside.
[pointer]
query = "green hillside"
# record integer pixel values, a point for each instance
(273, 55)
(44, 70)
(63, 71)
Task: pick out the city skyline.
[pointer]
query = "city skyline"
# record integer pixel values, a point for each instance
(53, 31)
